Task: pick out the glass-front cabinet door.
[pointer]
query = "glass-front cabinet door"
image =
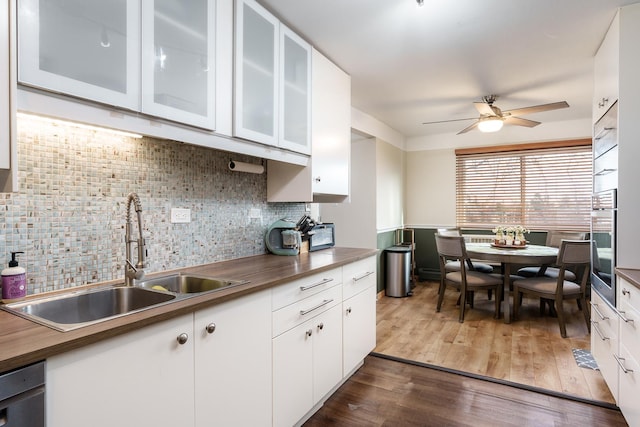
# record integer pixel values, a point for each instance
(256, 67)
(178, 65)
(295, 94)
(85, 48)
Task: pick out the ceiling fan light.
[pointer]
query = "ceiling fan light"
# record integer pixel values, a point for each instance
(490, 124)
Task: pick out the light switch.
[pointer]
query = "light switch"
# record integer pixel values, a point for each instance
(179, 215)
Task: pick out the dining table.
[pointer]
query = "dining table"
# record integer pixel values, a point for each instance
(509, 256)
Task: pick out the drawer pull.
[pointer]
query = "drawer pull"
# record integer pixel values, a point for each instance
(602, 133)
(322, 304)
(594, 325)
(367, 274)
(603, 102)
(602, 316)
(320, 283)
(626, 291)
(623, 317)
(620, 361)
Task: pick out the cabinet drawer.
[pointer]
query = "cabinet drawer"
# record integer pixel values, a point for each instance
(628, 294)
(603, 316)
(302, 288)
(630, 327)
(293, 314)
(357, 276)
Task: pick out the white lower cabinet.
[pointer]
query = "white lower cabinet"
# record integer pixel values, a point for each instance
(359, 311)
(359, 328)
(146, 378)
(233, 363)
(604, 340)
(267, 358)
(628, 359)
(307, 364)
(143, 378)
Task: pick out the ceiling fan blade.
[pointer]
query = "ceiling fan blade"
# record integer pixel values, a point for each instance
(447, 121)
(520, 122)
(536, 109)
(468, 128)
(484, 108)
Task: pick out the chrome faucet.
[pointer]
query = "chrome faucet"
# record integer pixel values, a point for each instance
(136, 271)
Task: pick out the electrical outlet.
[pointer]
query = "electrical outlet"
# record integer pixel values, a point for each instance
(179, 215)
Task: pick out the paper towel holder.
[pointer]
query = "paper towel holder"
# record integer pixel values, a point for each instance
(245, 167)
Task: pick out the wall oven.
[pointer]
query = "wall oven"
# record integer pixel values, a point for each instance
(604, 205)
(603, 249)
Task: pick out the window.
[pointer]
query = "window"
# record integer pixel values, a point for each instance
(540, 188)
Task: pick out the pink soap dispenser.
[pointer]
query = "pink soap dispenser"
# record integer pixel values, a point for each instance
(14, 281)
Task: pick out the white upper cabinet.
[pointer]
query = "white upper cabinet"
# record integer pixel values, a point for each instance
(5, 108)
(85, 48)
(295, 96)
(272, 81)
(178, 62)
(606, 69)
(256, 83)
(327, 177)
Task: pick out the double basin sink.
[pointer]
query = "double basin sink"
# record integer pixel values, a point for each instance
(76, 309)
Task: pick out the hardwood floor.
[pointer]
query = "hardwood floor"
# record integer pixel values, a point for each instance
(389, 393)
(528, 351)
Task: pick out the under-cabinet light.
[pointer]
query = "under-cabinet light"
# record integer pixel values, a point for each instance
(78, 125)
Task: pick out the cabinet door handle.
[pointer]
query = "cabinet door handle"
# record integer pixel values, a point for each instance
(210, 328)
(626, 291)
(321, 326)
(308, 333)
(620, 361)
(320, 283)
(367, 274)
(182, 338)
(623, 317)
(594, 325)
(602, 316)
(317, 179)
(603, 102)
(348, 310)
(322, 304)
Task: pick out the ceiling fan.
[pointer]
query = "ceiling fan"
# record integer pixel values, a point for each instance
(492, 118)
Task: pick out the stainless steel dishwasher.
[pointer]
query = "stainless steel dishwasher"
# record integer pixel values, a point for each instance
(22, 397)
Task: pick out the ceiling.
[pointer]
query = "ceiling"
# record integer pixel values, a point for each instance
(411, 64)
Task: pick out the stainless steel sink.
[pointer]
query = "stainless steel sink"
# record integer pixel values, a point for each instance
(77, 309)
(186, 283)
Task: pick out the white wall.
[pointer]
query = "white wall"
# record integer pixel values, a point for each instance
(431, 189)
(355, 220)
(390, 188)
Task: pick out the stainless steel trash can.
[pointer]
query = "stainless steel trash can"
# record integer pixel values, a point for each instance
(398, 271)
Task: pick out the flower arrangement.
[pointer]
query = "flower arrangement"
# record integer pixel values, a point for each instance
(510, 235)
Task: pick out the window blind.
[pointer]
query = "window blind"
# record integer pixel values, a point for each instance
(541, 189)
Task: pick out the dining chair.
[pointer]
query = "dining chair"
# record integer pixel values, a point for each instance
(554, 238)
(455, 265)
(467, 281)
(575, 254)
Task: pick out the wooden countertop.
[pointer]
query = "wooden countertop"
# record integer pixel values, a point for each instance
(23, 342)
(631, 275)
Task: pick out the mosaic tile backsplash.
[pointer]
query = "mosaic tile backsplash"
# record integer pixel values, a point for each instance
(69, 215)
